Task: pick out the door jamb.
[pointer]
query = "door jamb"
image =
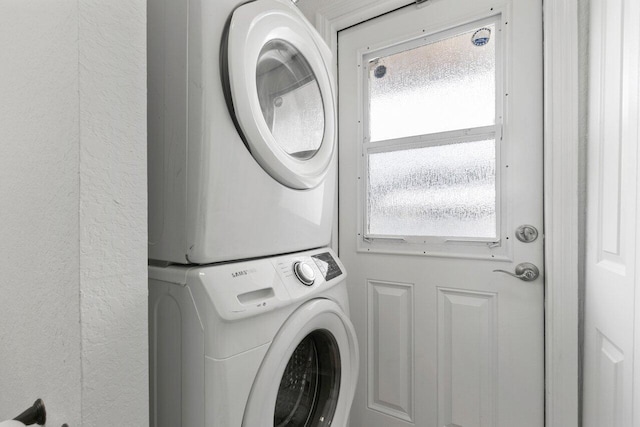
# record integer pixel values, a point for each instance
(561, 187)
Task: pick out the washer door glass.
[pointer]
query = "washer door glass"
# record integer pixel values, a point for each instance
(290, 99)
(308, 392)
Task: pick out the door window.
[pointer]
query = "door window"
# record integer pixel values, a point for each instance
(431, 139)
(290, 99)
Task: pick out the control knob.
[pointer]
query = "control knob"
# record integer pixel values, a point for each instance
(304, 273)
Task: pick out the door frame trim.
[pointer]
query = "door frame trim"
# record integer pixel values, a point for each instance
(561, 188)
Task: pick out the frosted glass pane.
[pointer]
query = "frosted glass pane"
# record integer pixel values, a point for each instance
(298, 121)
(445, 85)
(446, 190)
(290, 99)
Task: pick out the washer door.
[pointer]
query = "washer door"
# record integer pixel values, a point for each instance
(308, 376)
(277, 81)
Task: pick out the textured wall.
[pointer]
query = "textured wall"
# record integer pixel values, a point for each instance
(113, 212)
(73, 252)
(39, 294)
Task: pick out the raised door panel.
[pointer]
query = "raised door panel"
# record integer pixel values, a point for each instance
(390, 337)
(467, 358)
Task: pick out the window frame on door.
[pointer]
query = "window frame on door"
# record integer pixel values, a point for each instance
(498, 248)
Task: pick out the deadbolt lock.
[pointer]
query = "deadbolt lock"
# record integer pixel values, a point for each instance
(527, 233)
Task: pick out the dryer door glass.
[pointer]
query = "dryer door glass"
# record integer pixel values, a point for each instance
(290, 99)
(308, 392)
(276, 77)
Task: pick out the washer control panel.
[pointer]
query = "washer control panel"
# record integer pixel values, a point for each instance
(243, 289)
(304, 272)
(327, 265)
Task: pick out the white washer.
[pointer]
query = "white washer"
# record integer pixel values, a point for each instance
(253, 344)
(242, 131)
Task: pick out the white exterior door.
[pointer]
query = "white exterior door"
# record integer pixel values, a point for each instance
(612, 216)
(440, 162)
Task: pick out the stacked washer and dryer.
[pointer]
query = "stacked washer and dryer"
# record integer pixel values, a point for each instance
(248, 309)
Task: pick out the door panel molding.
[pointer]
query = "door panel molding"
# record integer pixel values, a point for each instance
(467, 325)
(391, 384)
(561, 164)
(610, 382)
(609, 130)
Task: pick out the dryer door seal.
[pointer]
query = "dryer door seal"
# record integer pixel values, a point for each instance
(308, 375)
(279, 89)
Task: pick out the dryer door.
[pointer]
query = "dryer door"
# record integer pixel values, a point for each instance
(309, 374)
(278, 85)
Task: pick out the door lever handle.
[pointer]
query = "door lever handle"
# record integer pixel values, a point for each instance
(524, 271)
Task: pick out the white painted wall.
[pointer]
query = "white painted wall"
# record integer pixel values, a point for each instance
(39, 195)
(73, 232)
(113, 212)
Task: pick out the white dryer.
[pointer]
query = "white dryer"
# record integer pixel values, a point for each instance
(242, 131)
(252, 344)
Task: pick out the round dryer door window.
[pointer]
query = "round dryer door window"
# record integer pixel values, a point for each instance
(290, 99)
(308, 392)
(280, 93)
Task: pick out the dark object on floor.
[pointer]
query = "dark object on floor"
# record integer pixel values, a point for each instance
(36, 414)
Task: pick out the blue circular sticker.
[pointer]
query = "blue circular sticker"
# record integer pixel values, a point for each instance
(380, 71)
(481, 37)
